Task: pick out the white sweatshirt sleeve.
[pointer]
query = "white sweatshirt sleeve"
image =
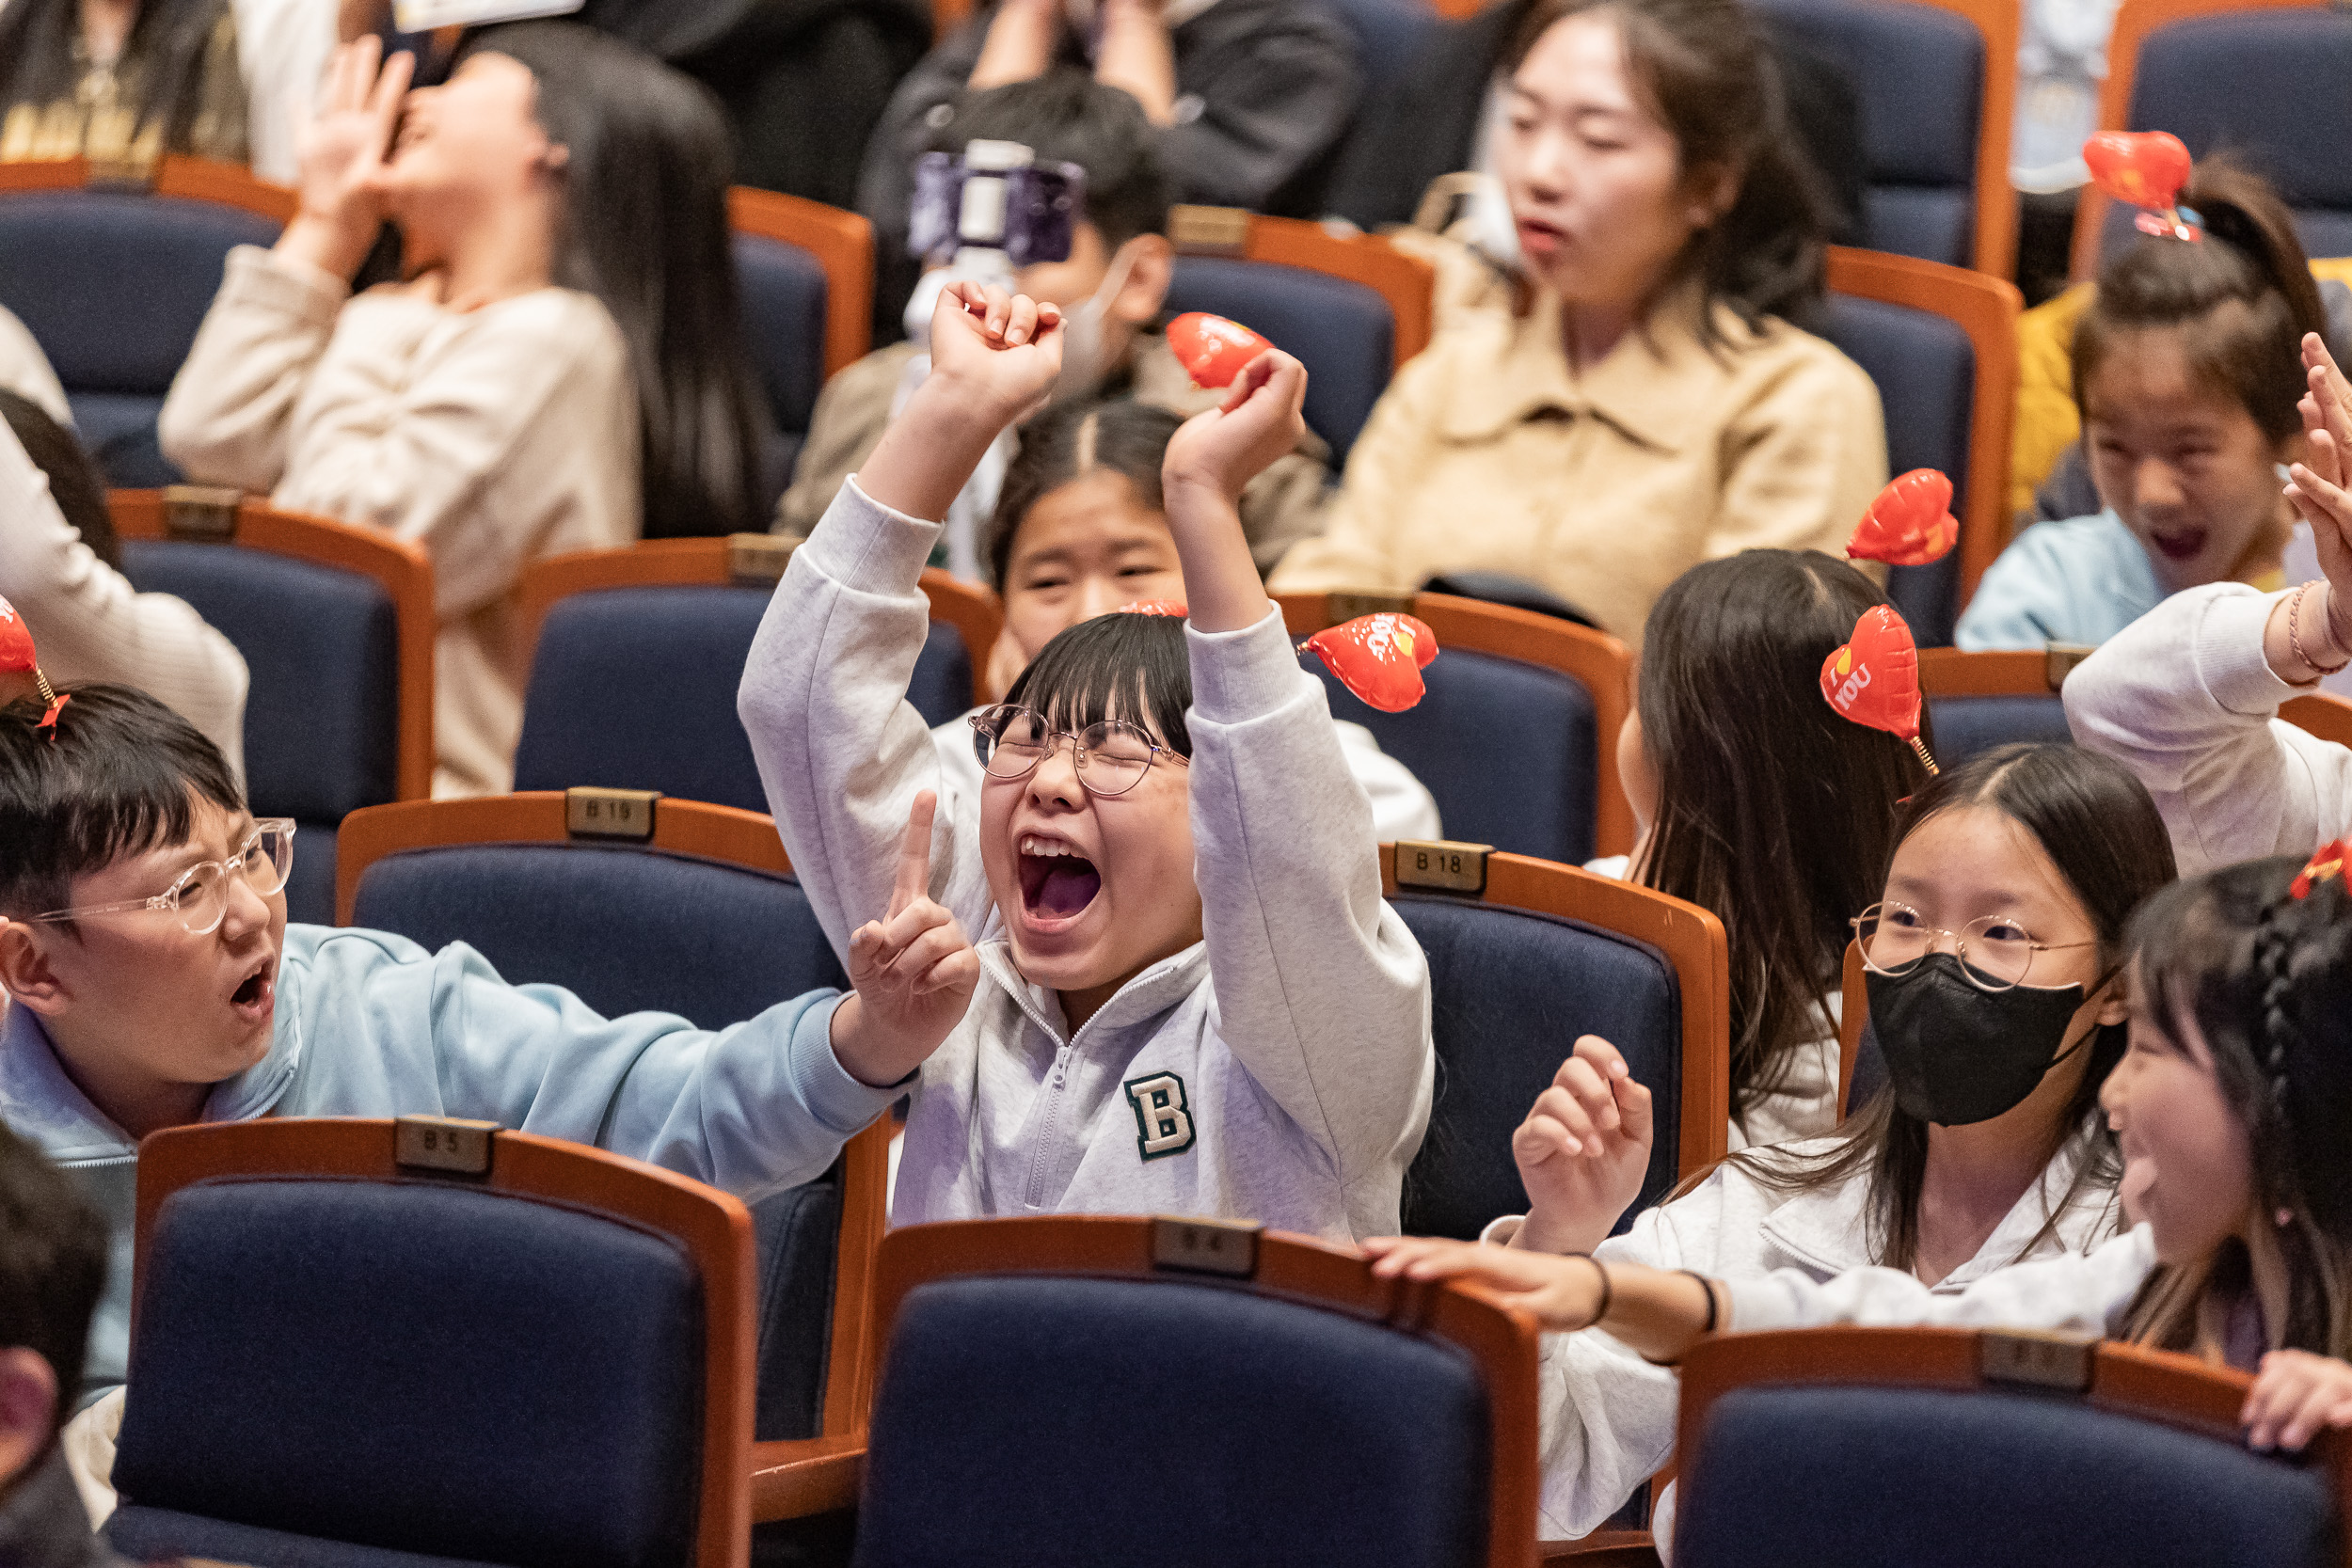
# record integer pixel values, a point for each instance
(842, 754)
(1321, 990)
(228, 417)
(88, 624)
(2075, 1291)
(2185, 699)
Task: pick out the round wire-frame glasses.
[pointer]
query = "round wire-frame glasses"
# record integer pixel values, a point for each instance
(1995, 953)
(1112, 755)
(200, 896)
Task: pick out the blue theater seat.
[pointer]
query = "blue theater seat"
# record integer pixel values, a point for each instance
(783, 321)
(343, 1363)
(1343, 332)
(114, 285)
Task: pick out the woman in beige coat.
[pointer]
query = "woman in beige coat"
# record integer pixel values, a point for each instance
(1644, 405)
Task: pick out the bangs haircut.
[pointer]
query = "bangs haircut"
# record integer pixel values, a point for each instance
(1129, 667)
(122, 777)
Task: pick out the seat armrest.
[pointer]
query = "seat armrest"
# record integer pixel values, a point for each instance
(815, 1475)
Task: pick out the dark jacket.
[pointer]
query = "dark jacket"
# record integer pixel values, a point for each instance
(1274, 81)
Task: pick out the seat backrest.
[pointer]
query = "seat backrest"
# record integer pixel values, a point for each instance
(2262, 80)
(806, 271)
(1940, 345)
(1515, 740)
(634, 687)
(1939, 1446)
(702, 919)
(336, 1356)
(113, 285)
(1978, 700)
(1935, 86)
(1316, 1420)
(1543, 954)
(1390, 35)
(1352, 306)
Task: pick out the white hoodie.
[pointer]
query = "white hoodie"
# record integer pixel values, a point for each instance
(1608, 1416)
(1279, 1069)
(2183, 698)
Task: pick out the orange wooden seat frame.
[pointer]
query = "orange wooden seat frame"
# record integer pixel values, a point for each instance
(1986, 309)
(714, 1228)
(843, 243)
(1499, 1339)
(175, 175)
(730, 837)
(971, 609)
(1691, 938)
(2129, 1379)
(401, 567)
(2133, 21)
(1598, 662)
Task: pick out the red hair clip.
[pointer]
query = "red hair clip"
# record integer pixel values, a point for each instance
(2327, 863)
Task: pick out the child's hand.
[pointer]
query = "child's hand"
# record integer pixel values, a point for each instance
(1583, 1151)
(914, 969)
(999, 352)
(341, 157)
(1564, 1294)
(2295, 1396)
(2319, 483)
(1223, 449)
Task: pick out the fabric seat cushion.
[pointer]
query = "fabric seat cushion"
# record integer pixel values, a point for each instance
(322, 716)
(118, 430)
(1932, 1478)
(624, 930)
(1964, 727)
(1070, 1421)
(419, 1367)
(783, 325)
(634, 689)
(1341, 331)
(1508, 750)
(1512, 988)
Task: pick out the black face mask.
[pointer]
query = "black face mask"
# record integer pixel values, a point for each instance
(1957, 1054)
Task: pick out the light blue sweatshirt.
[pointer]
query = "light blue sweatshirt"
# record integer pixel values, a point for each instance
(371, 1024)
(2081, 581)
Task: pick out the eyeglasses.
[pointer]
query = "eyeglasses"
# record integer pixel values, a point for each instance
(1994, 953)
(200, 896)
(1112, 756)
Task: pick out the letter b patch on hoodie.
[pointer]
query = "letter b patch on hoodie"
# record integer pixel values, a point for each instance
(1163, 1124)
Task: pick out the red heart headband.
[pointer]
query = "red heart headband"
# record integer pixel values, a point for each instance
(1378, 657)
(1909, 524)
(2146, 168)
(1211, 349)
(1873, 680)
(17, 658)
(2325, 865)
(1155, 606)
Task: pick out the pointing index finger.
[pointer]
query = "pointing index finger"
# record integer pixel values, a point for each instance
(914, 855)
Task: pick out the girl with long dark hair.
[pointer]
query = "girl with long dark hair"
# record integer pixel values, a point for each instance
(561, 368)
(1996, 945)
(1654, 402)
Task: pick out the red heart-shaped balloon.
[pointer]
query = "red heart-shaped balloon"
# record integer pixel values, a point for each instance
(1909, 524)
(1155, 607)
(1379, 657)
(1874, 679)
(1211, 349)
(2146, 168)
(16, 642)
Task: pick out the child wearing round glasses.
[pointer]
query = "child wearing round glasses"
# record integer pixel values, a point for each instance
(153, 980)
(1193, 1000)
(1995, 961)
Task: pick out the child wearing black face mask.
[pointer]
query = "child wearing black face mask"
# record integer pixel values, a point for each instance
(1995, 992)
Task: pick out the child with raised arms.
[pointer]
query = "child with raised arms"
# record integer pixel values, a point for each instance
(1194, 999)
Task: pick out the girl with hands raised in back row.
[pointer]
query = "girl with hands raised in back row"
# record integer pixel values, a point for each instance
(2187, 696)
(1161, 800)
(1994, 954)
(2232, 1111)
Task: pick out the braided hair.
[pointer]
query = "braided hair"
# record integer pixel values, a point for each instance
(2263, 973)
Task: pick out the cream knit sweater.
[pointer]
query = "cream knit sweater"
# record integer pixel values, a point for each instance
(491, 436)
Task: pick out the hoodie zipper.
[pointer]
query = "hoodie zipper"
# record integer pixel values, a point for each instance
(1048, 1128)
